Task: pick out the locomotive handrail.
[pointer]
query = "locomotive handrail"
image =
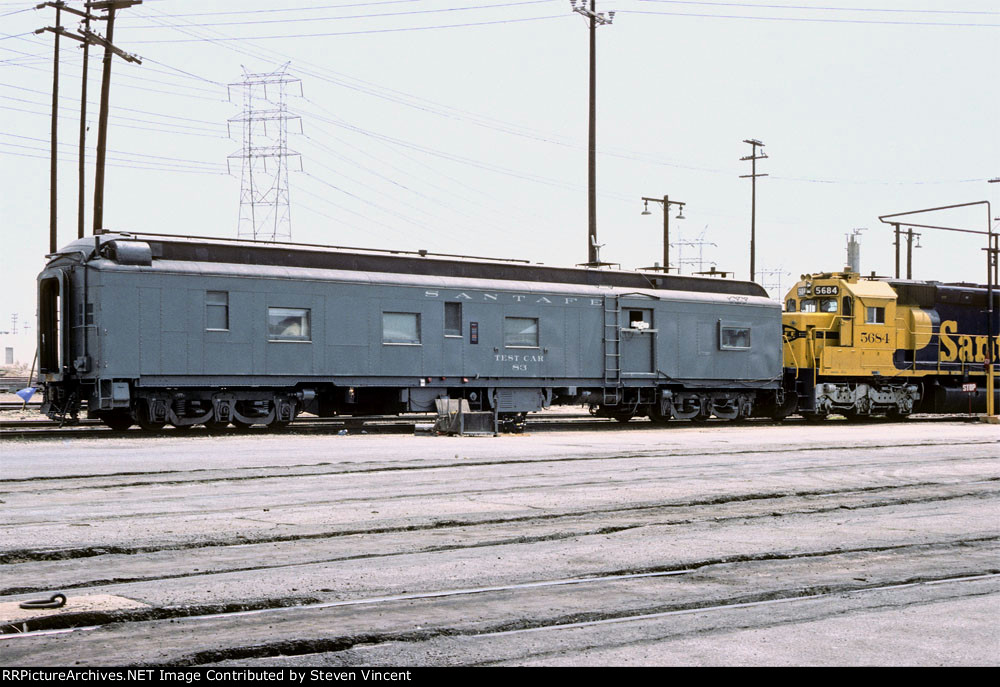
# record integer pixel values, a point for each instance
(791, 349)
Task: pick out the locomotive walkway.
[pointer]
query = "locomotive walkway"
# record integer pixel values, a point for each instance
(832, 544)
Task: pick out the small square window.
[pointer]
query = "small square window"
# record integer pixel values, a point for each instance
(288, 324)
(400, 328)
(520, 332)
(217, 310)
(874, 315)
(734, 338)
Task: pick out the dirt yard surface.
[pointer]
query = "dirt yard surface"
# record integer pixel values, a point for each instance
(832, 544)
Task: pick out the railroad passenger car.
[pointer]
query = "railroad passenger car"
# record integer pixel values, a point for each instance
(163, 330)
(877, 346)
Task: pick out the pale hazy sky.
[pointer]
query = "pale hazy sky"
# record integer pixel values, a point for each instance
(460, 126)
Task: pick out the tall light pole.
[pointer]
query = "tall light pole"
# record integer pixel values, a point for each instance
(753, 157)
(666, 202)
(596, 19)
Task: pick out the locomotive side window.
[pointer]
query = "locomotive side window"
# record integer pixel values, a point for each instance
(848, 306)
(790, 305)
(520, 332)
(874, 315)
(288, 324)
(400, 328)
(828, 305)
(453, 319)
(217, 310)
(734, 338)
(808, 305)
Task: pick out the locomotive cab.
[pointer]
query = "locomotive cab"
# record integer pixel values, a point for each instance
(841, 335)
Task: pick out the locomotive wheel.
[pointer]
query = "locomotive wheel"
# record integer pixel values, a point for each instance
(118, 420)
(216, 425)
(622, 417)
(813, 418)
(242, 426)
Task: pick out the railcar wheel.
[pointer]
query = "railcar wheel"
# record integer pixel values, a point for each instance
(149, 425)
(658, 418)
(142, 418)
(118, 421)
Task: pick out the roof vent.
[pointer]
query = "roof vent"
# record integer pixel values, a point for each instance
(129, 252)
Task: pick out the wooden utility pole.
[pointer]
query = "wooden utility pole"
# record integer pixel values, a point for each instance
(54, 133)
(596, 19)
(83, 135)
(110, 6)
(753, 157)
(86, 37)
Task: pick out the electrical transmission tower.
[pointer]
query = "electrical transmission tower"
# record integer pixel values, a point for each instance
(771, 281)
(265, 204)
(700, 242)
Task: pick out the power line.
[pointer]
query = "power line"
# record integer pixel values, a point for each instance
(818, 9)
(356, 16)
(146, 165)
(811, 19)
(213, 124)
(294, 9)
(119, 152)
(355, 33)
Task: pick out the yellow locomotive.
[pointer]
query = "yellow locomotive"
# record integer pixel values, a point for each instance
(860, 346)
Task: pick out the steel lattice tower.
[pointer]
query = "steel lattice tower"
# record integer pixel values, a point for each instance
(265, 205)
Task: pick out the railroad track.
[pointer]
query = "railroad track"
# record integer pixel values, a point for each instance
(375, 424)
(62, 625)
(392, 424)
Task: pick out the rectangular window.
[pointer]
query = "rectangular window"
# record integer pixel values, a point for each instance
(288, 324)
(734, 338)
(217, 310)
(874, 315)
(453, 319)
(520, 332)
(790, 305)
(400, 328)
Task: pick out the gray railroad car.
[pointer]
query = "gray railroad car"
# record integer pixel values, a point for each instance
(162, 330)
